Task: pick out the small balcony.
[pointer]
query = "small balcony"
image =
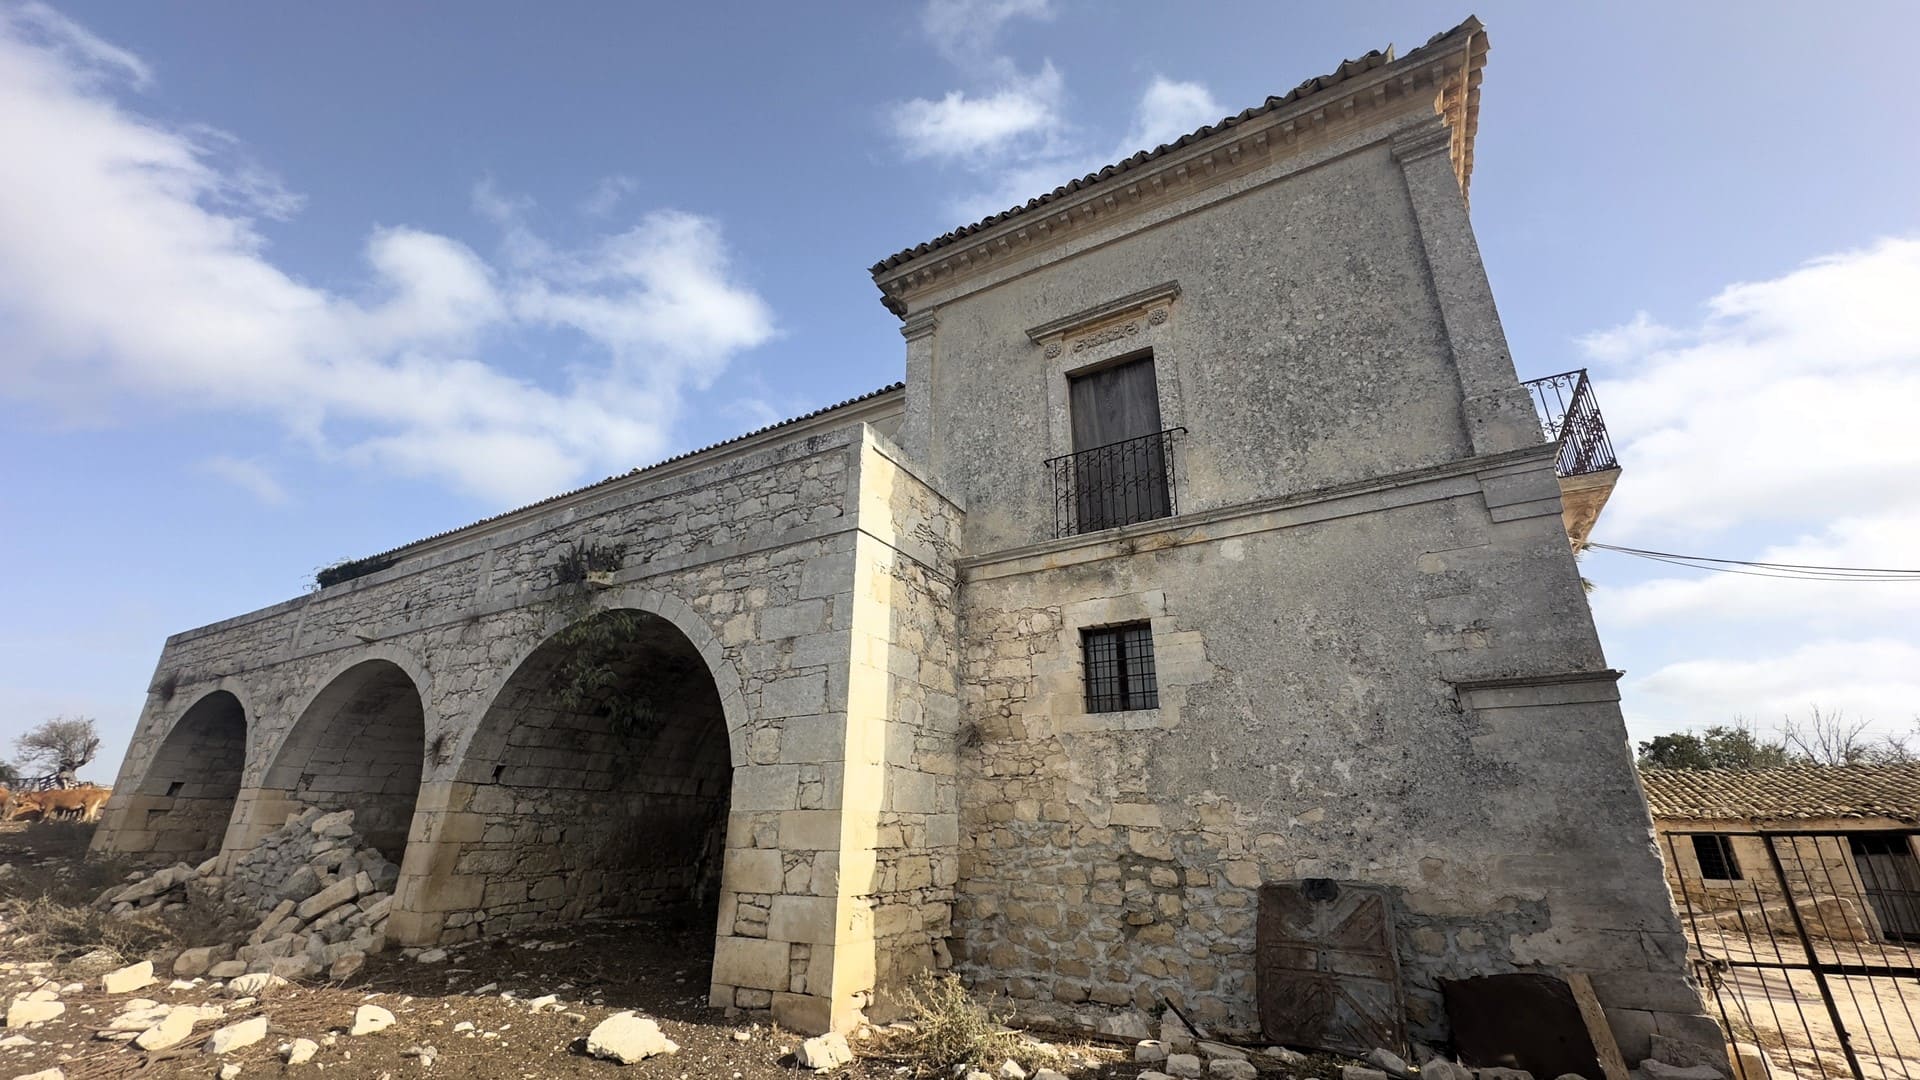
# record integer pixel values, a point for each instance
(1114, 485)
(1570, 418)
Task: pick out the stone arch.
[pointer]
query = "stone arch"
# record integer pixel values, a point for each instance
(183, 802)
(614, 802)
(359, 744)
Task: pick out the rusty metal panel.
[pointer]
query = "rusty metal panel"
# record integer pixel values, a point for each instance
(1328, 977)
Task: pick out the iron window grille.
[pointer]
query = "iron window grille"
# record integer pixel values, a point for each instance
(1119, 668)
(1119, 484)
(1715, 855)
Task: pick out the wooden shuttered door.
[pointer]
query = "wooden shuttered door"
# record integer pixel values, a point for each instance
(1120, 467)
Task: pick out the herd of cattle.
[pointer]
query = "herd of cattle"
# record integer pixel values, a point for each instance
(76, 803)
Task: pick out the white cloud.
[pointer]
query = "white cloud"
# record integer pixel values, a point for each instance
(606, 195)
(1009, 132)
(1790, 402)
(131, 265)
(249, 476)
(965, 30)
(1875, 679)
(1168, 110)
(959, 126)
(1885, 541)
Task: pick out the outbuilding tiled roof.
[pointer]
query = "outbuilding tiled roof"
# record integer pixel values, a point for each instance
(1791, 792)
(1347, 70)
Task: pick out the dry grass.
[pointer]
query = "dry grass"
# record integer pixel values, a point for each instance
(950, 1027)
(46, 903)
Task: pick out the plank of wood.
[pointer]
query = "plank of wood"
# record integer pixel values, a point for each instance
(1604, 1046)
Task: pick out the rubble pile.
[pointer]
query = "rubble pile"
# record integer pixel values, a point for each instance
(322, 893)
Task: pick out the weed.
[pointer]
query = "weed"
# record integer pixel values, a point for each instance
(951, 1028)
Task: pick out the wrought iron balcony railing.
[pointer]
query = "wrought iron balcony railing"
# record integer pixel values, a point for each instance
(1114, 485)
(1570, 417)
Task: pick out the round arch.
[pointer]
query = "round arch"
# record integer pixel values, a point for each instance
(359, 744)
(601, 771)
(184, 799)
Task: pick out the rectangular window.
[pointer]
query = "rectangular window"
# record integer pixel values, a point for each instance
(1715, 855)
(1119, 663)
(1119, 461)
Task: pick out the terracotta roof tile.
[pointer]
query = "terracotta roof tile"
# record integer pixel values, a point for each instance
(1791, 792)
(1348, 69)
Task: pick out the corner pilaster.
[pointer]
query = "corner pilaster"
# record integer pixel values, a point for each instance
(1498, 414)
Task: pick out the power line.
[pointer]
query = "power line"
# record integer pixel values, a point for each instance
(1755, 568)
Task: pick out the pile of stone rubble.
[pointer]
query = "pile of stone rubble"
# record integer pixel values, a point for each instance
(322, 893)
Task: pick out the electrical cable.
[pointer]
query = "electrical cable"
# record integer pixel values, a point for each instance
(1756, 568)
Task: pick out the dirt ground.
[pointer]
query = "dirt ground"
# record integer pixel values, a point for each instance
(1784, 1013)
(595, 970)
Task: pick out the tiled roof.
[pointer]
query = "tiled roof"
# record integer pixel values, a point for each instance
(1788, 792)
(869, 396)
(1348, 69)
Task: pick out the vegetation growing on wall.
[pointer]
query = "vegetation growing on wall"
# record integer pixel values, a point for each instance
(588, 679)
(348, 569)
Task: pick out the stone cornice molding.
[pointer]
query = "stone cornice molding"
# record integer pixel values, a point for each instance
(1445, 82)
(1415, 143)
(1139, 303)
(918, 325)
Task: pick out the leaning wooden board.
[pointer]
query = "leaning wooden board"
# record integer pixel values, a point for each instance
(1601, 1032)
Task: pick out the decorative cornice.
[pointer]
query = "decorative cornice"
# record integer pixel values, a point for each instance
(1424, 141)
(918, 325)
(1606, 675)
(1445, 79)
(1128, 304)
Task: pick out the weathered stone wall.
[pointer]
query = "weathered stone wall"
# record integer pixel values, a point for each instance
(1814, 868)
(181, 808)
(748, 557)
(1308, 726)
(906, 636)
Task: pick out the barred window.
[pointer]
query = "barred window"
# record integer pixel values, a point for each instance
(1715, 855)
(1119, 663)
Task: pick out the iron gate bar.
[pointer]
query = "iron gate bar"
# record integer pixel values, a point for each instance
(1813, 962)
(1854, 929)
(1879, 1003)
(1708, 965)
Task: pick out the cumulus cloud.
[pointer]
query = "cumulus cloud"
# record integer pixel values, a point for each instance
(1775, 427)
(1875, 679)
(960, 126)
(965, 30)
(1789, 401)
(607, 194)
(1169, 109)
(249, 476)
(132, 264)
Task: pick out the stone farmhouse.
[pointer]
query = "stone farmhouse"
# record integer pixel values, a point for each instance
(1208, 565)
(1843, 834)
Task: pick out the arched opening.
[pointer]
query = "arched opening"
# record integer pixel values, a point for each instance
(359, 746)
(602, 775)
(183, 803)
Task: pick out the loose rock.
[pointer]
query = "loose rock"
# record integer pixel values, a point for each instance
(1185, 1066)
(301, 1051)
(128, 979)
(1149, 1051)
(236, 1035)
(823, 1052)
(24, 1013)
(626, 1038)
(368, 1019)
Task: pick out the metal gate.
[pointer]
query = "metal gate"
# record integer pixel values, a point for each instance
(1803, 942)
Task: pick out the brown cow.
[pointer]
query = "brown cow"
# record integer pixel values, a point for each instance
(83, 803)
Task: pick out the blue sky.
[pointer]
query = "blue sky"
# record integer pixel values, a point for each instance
(285, 284)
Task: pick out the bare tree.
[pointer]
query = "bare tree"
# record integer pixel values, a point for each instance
(1829, 738)
(64, 744)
